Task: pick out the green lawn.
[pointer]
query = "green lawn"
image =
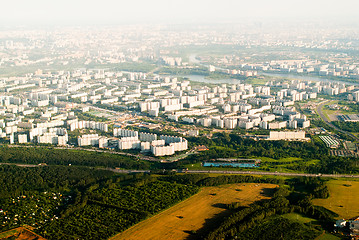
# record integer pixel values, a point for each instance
(94, 112)
(328, 236)
(288, 159)
(305, 220)
(267, 163)
(326, 111)
(178, 157)
(298, 217)
(313, 161)
(256, 81)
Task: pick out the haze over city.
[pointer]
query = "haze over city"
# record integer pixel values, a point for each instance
(180, 120)
(82, 12)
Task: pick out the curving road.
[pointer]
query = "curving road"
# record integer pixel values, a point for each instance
(324, 118)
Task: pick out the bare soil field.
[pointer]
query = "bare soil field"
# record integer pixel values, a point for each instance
(196, 213)
(21, 233)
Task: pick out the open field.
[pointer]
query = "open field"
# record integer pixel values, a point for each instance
(21, 233)
(195, 213)
(329, 113)
(257, 81)
(342, 199)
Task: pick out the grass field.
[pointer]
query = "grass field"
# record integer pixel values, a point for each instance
(257, 81)
(298, 217)
(328, 236)
(305, 220)
(342, 199)
(196, 213)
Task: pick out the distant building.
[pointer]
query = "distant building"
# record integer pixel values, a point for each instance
(340, 223)
(87, 140)
(300, 135)
(119, 132)
(202, 148)
(129, 143)
(22, 138)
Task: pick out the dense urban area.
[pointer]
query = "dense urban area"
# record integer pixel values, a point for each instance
(102, 129)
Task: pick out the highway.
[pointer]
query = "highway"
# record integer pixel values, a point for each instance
(126, 171)
(21, 165)
(249, 173)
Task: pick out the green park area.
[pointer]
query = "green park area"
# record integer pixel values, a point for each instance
(287, 165)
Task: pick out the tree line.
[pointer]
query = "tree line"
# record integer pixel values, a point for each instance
(52, 156)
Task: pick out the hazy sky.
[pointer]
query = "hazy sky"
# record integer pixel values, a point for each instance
(77, 12)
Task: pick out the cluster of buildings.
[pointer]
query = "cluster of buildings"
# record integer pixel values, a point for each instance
(124, 139)
(148, 142)
(42, 112)
(353, 226)
(51, 128)
(23, 122)
(223, 106)
(117, 45)
(38, 107)
(76, 124)
(303, 66)
(303, 89)
(229, 105)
